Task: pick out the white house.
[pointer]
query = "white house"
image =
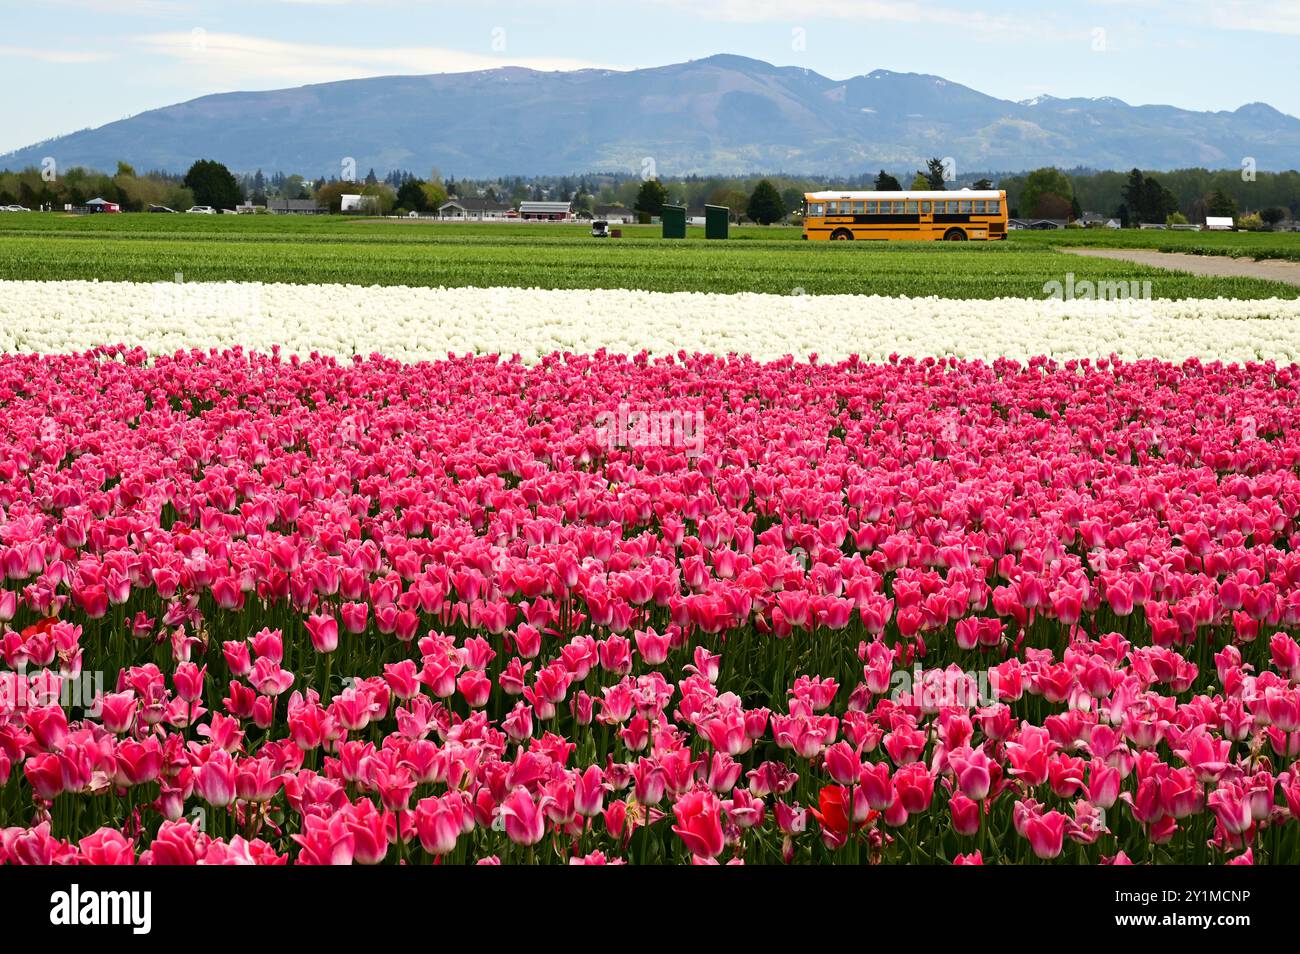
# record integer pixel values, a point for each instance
(474, 210)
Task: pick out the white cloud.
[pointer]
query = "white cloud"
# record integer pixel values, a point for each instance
(143, 8)
(242, 60)
(55, 56)
(1279, 17)
(888, 11)
(1262, 16)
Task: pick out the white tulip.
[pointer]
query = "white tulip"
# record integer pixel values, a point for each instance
(414, 324)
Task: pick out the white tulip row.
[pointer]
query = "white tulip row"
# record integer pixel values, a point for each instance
(423, 323)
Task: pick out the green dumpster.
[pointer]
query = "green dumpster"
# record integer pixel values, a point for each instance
(717, 219)
(673, 218)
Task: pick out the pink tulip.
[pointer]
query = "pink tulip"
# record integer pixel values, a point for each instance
(324, 633)
(699, 823)
(524, 818)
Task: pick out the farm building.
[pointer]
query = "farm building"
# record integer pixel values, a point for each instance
(293, 207)
(474, 210)
(1037, 224)
(545, 211)
(360, 204)
(614, 214)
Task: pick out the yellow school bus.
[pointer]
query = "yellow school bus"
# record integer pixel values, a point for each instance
(956, 216)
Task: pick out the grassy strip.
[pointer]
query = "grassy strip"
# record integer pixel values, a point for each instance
(367, 252)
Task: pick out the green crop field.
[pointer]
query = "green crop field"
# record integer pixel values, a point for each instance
(1257, 245)
(336, 249)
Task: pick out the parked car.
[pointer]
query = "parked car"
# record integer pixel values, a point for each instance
(163, 208)
(16, 208)
(202, 210)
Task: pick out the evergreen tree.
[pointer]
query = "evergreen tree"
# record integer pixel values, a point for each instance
(1157, 201)
(1220, 203)
(934, 174)
(1135, 194)
(411, 196)
(213, 184)
(765, 204)
(650, 198)
(887, 183)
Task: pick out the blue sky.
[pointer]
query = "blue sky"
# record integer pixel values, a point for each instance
(69, 64)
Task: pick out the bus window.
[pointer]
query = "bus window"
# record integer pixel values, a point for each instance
(979, 207)
(871, 208)
(965, 205)
(911, 208)
(857, 208)
(898, 207)
(994, 207)
(817, 209)
(925, 208)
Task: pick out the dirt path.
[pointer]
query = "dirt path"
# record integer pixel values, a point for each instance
(1210, 265)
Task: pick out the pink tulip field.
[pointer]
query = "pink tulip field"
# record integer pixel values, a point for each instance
(262, 609)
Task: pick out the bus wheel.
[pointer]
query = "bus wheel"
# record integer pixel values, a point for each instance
(841, 235)
(954, 235)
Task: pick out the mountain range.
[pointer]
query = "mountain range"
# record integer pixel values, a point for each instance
(720, 115)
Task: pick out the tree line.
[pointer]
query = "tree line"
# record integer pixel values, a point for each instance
(37, 188)
(1132, 197)
(1136, 196)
